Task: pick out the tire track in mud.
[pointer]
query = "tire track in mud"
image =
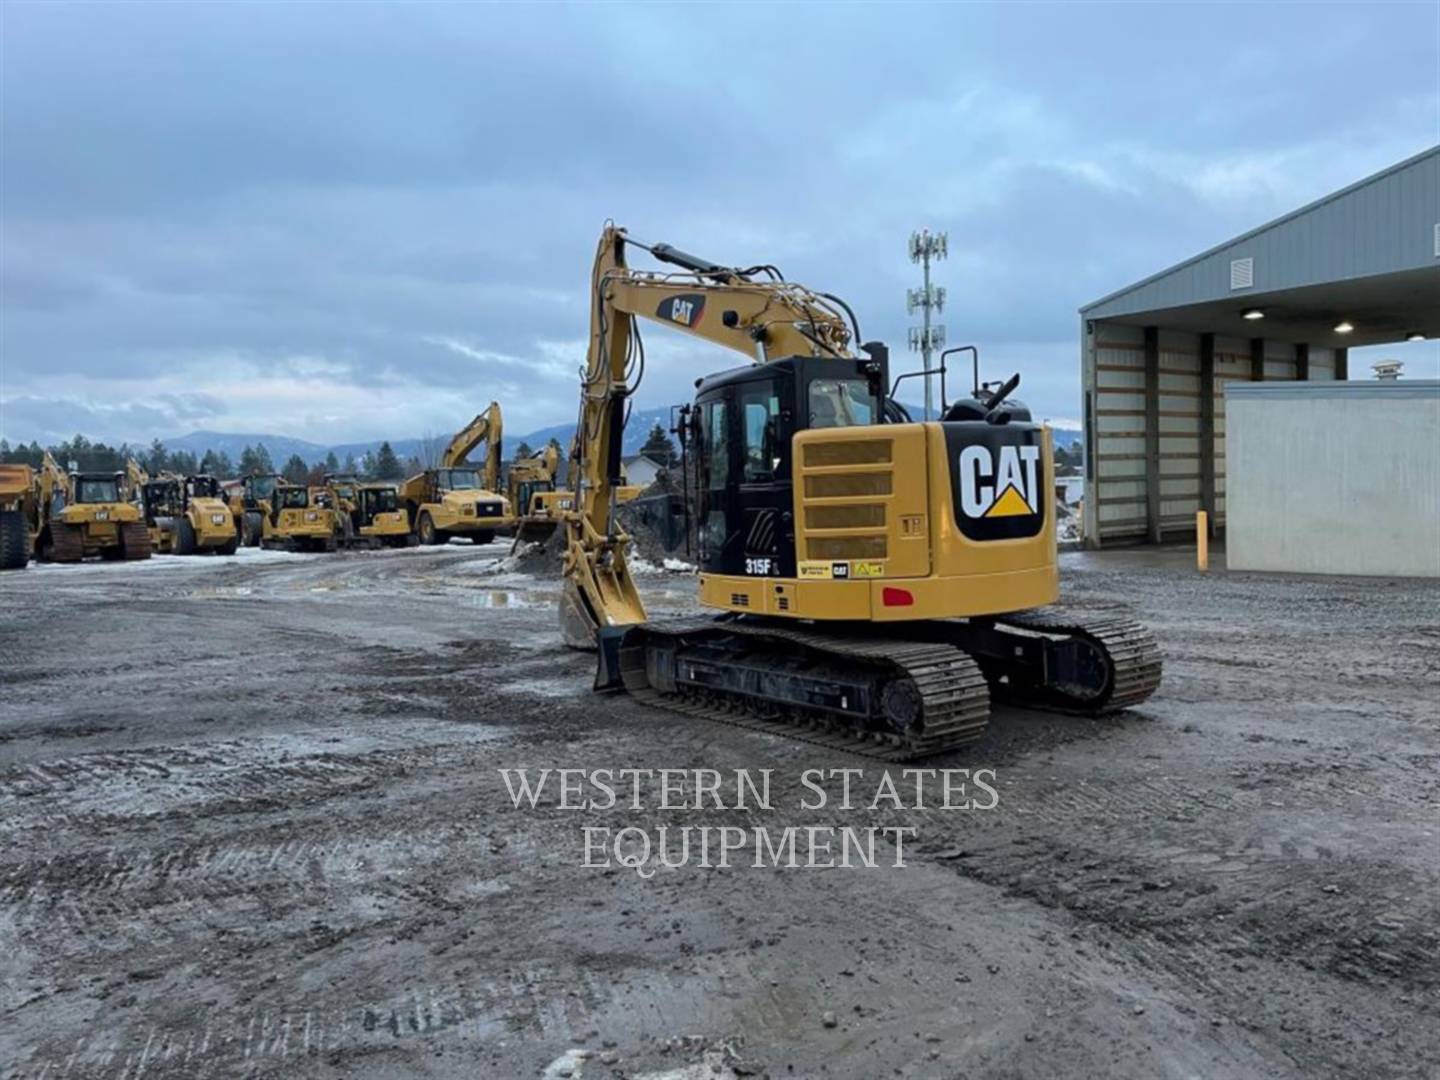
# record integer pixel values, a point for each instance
(534, 999)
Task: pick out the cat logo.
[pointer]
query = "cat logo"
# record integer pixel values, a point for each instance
(684, 310)
(1007, 487)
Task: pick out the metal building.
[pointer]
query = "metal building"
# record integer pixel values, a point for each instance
(1282, 302)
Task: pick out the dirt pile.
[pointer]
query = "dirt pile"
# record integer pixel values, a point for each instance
(541, 559)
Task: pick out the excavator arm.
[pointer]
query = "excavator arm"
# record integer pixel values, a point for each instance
(761, 317)
(487, 428)
(137, 477)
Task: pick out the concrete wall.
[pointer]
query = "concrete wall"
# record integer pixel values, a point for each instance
(1334, 479)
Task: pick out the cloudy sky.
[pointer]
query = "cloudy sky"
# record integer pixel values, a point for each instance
(355, 221)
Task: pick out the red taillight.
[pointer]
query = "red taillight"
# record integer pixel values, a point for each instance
(896, 597)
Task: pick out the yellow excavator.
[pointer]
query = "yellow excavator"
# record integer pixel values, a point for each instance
(78, 514)
(185, 515)
(877, 579)
(537, 503)
(458, 499)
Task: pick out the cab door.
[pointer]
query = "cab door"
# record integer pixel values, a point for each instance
(746, 523)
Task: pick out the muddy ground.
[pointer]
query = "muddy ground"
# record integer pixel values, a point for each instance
(253, 825)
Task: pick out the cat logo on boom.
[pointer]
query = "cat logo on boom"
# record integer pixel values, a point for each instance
(685, 310)
(999, 481)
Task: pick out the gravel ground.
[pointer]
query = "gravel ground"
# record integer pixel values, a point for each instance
(253, 825)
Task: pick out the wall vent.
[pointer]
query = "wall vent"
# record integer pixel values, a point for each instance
(1242, 273)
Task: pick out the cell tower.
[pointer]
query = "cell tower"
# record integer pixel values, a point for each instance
(926, 338)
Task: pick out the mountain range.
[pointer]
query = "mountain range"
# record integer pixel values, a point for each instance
(281, 447)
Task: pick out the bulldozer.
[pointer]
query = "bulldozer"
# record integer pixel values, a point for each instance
(185, 515)
(17, 509)
(74, 515)
(457, 499)
(366, 514)
(273, 513)
(876, 580)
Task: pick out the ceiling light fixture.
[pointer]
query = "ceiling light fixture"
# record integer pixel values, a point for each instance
(1343, 327)
(1252, 314)
(1415, 336)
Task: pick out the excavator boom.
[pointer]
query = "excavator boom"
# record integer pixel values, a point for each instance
(487, 428)
(761, 317)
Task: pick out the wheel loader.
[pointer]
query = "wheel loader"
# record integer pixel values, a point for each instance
(17, 510)
(876, 581)
(457, 499)
(75, 515)
(185, 515)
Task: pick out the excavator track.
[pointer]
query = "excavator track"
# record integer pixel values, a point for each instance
(941, 687)
(1132, 655)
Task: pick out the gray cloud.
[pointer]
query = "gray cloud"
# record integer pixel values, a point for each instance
(359, 222)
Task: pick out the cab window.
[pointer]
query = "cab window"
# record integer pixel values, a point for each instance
(760, 415)
(717, 445)
(840, 403)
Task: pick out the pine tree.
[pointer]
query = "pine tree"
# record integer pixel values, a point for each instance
(262, 459)
(387, 465)
(156, 459)
(4, 450)
(295, 469)
(332, 463)
(658, 447)
(350, 467)
(523, 451)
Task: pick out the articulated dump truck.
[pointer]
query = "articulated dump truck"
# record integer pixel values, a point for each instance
(17, 509)
(459, 499)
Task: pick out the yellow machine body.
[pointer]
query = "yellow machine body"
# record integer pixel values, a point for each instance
(877, 539)
(457, 499)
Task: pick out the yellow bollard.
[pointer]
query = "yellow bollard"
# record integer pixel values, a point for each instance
(1202, 540)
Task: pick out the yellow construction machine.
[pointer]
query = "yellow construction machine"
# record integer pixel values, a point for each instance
(877, 579)
(272, 513)
(185, 515)
(17, 510)
(367, 514)
(77, 514)
(458, 499)
(537, 503)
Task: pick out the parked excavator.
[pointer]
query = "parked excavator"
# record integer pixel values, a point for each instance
(458, 499)
(185, 515)
(537, 503)
(78, 514)
(17, 510)
(877, 579)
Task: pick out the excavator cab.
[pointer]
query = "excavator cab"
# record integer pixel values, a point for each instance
(742, 427)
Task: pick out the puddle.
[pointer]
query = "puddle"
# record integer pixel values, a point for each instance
(509, 598)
